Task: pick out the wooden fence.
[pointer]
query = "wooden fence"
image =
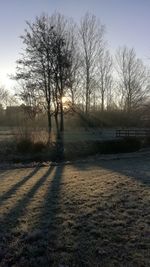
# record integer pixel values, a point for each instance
(132, 132)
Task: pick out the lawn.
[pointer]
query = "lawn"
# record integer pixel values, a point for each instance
(86, 214)
(75, 135)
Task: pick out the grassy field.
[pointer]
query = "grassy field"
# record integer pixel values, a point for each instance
(80, 134)
(86, 214)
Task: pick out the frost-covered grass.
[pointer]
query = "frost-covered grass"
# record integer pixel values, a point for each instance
(87, 214)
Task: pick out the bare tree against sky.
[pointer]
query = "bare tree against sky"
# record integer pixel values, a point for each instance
(104, 76)
(91, 35)
(46, 62)
(62, 64)
(132, 78)
(35, 66)
(6, 98)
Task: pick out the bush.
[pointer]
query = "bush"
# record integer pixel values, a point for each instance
(146, 141)
(128, 144)
(41, 152)
(38, 147)
(28, 146)
(24, 145)
(83, 149)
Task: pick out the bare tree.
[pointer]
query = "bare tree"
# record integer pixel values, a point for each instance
(133, 78)
(63, 50)
(91, 34)
(4, 96)
(75, 74)
(32, 98)
(104, 76)
(35, 66)
(45, 63)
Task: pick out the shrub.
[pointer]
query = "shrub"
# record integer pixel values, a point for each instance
(146, 141)
(38, 147)
(128, 144)
(28, 146)
(24, 145)
(83, 149)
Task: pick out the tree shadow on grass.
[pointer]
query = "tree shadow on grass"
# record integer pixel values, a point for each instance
(51, 199)
(106, 229)
(115, 232)
(3, 174)
(10, 220)
(41, 238)
(10, 232)
(45, 240)
(15, 187)
(136, 168)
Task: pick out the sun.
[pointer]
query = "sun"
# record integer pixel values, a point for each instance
(66, 102)
(64, 99)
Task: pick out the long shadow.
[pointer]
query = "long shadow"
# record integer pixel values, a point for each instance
(48, 225)
(137, 168)
(51, 206)
(3, 173)
(107, 233)
(52, 196)
(15, 187)
(10, 220)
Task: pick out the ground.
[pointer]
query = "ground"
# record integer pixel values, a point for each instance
(95, 213)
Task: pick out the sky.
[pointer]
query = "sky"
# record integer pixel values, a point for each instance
(127, 23)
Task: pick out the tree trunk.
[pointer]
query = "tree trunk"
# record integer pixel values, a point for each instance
(102, 107)
(49, 124)
(57, 126)
(86, 104)
(87, 92)
(61, 117)
(61, 139)
(72, 96)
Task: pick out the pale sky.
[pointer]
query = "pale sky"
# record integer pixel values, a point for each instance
(127, 23)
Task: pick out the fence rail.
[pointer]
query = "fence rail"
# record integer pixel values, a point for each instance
(130, 133)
